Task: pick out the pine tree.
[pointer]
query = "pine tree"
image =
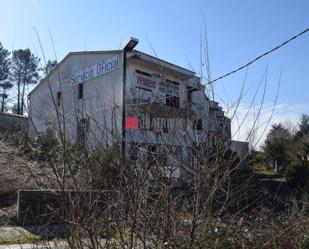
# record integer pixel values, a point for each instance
(303, 125)
(6, 85)
(4, 73)
(299, 172)
(49, 66)
(24, 72)
(279, 146)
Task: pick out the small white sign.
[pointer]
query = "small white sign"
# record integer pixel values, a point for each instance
(102, 67)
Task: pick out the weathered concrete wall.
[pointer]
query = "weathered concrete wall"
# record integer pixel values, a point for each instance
(32, 207)
(242, 150)
(100, 103)
(10, 121)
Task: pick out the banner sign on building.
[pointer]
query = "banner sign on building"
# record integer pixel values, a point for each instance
(145, 83)
(168, 125)
(169, 87)
(102, 67)
(155, 90)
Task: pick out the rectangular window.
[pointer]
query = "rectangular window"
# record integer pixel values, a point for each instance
(172, 87)
(83, 126)
(198, 124)
(189, 93)
(173, 83)
(172, 101)
(80, 91)
(58, 98)
(189, 96)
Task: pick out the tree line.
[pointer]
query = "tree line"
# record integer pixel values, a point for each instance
(19, 69)
(286, 151)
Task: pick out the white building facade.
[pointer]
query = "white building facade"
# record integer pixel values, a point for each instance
(167, 110)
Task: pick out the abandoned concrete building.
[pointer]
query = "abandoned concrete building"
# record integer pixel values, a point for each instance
(94, 96)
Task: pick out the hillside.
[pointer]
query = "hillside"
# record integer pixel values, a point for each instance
(15, 170)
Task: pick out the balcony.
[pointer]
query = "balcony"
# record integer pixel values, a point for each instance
(158, 110)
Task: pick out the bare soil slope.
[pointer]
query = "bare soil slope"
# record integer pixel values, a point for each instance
(15, 170)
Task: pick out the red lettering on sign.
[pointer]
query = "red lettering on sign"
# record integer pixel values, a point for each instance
(131, 123)
(144, 82)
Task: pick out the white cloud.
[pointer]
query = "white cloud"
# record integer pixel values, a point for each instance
(258, 122)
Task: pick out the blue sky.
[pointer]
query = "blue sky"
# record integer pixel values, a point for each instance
(237, 31)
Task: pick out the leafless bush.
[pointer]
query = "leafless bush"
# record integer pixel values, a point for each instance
(105, 199)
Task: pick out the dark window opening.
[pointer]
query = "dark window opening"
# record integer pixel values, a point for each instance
(172, 101)
(189, 94)
(172, 82)
(80, 91)
(143, 73)
(198, 124)
(144, 89)
(58, 98)
(83, 126)
(151, 123)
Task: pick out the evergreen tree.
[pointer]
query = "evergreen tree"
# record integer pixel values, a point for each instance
(4, 73)
(299, 172)
(24, 72)
(6, 85)
(279, 146)
(302, 140)
(49, 66)
(303, 126)
(4, 63)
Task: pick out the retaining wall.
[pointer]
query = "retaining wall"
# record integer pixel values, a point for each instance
(9, 121)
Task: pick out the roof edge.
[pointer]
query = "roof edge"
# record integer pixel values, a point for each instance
(165, 61)
(105, 52)
(65, 58)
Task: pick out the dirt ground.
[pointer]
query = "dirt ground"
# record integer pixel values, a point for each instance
(16, 171)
